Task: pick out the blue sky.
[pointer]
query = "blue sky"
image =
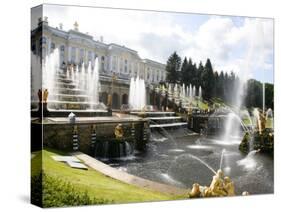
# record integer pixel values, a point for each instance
(240, 44)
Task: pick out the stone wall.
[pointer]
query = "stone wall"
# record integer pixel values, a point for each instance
(60, 136)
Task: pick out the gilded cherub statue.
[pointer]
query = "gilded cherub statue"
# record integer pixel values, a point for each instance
(195, 192)
(45, 95)
(119, 133)
(39, 95)
(229, 186)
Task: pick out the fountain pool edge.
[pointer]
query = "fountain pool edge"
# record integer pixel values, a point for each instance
(128, 178)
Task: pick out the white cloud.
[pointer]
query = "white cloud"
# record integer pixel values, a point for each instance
(245, 48)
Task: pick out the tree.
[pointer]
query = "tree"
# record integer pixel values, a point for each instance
(184, 72)
(173, 68)
(269, 95)
(254, 94)
(208, 80)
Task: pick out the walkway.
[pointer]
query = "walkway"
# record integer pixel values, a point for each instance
(128, 178)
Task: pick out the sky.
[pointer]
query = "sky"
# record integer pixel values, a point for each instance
(240, 44)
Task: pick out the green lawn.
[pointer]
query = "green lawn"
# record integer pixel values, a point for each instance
(94, 183)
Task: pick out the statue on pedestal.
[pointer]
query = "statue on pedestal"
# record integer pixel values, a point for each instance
(45, 95)
(40, 95)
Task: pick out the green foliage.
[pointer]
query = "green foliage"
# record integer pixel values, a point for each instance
(50, 191)
(216, 84)
(173, 68)
(208, 80)
(254, 94)
(97, 185)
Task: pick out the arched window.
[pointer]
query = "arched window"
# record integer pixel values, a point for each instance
(121, 65)
(148, 74)
(53, 46)
(73, 55)
(157, 76)
(130, 67)
(114, 63)
(125, 99)
(90, 57)
(43, 40)
(62, 54)
(102, 63)
(81, 59)
(115, 101)
(126, 66)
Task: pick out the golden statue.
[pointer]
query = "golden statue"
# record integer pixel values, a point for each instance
(93, 128)
(40, 95)
(45, 95)
(219, 187)
(195, 192)
(229, 187)
(119, 131)
(75, 129)
(216, 186)
(109, 100)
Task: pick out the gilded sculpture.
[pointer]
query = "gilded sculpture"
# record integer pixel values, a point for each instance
(220, 186)
(119, 133)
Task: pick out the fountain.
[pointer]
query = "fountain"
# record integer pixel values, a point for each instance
(190, 91)
(194, 91)
(70, 90)
(200, 93)
(137, 94)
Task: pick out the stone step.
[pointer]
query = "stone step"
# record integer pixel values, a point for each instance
(70, 91)
(152, 113)
(68, 105)
(65, 85)
(168, 125)
(66, 80)
(164, 118)
(69, 97)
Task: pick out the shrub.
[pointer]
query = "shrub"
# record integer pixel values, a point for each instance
(49, 191)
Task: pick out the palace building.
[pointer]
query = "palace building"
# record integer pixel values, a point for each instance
(77, 48)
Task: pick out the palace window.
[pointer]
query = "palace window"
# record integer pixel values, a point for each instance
(114, 63)
(126, 66)
(43, 40)
(61, 54)
(157, 77)
(102, 63)
(90, 56)
(121, 65)
(81, 59)
(148, 73)
(130, 68)
(73, 54)
(53, 46)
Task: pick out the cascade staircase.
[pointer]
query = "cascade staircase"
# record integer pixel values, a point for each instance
(68, 95)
